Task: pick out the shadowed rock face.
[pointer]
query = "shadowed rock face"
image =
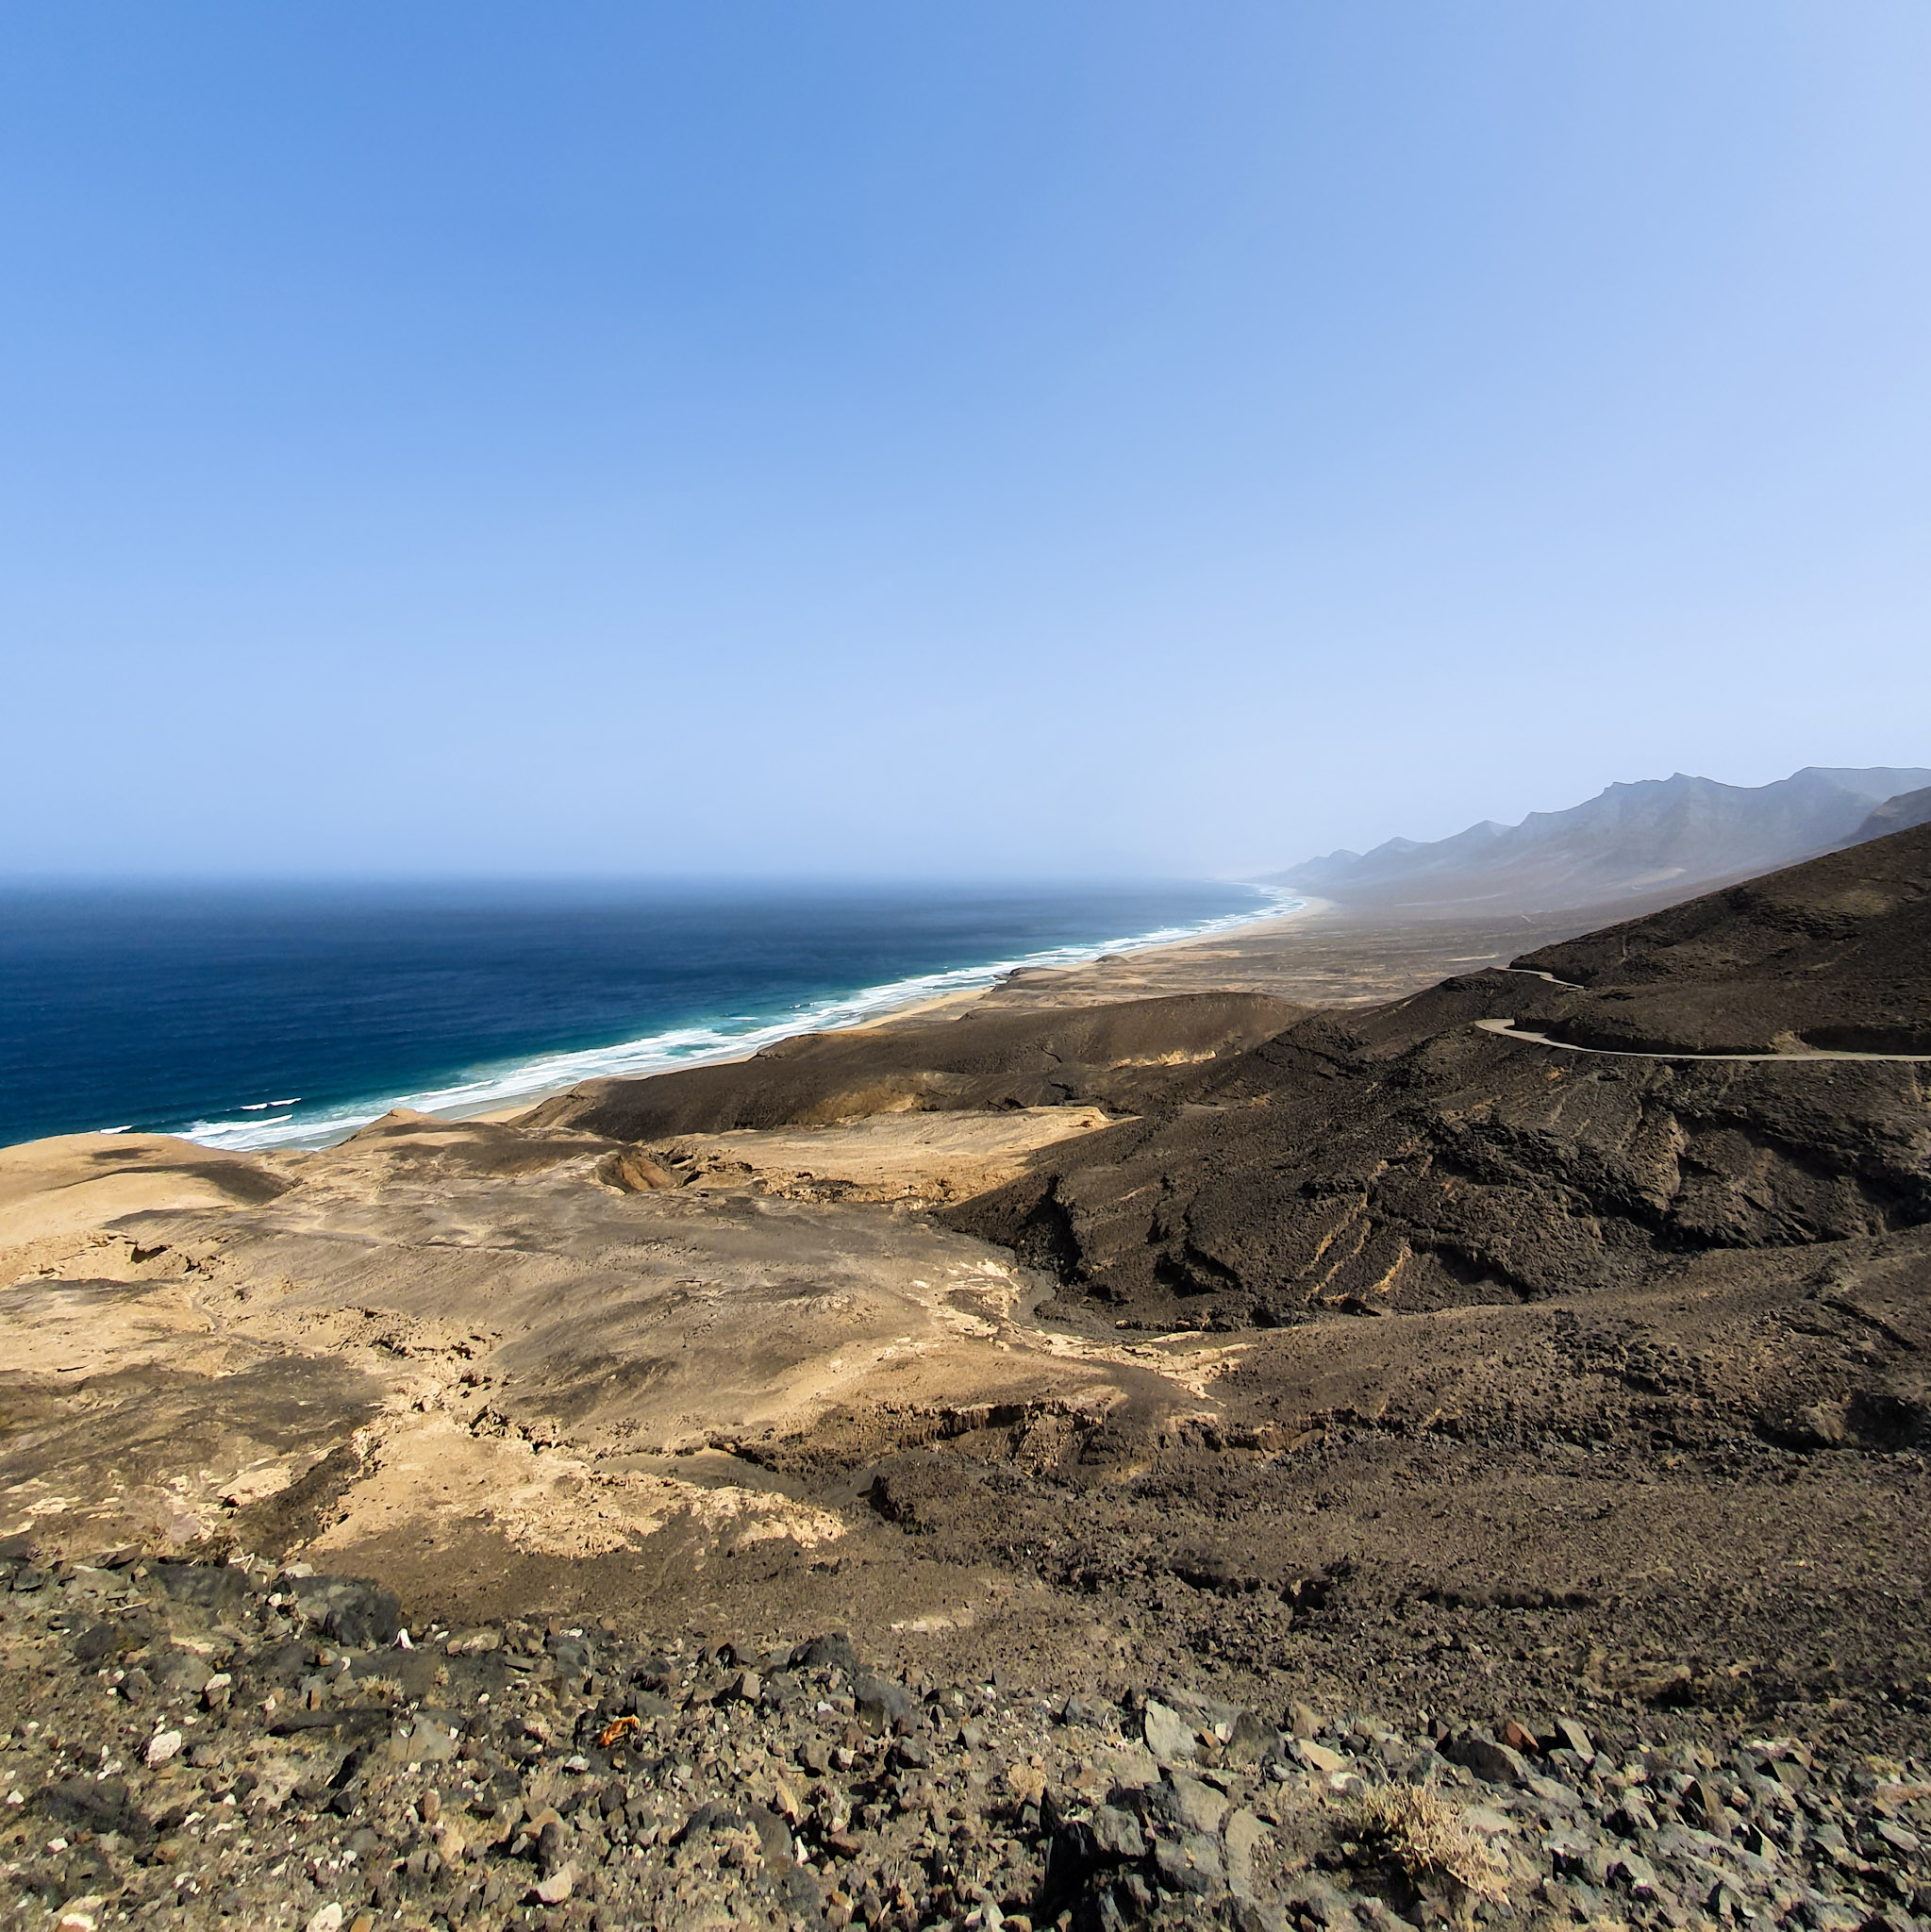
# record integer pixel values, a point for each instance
(1106, 1056)
(1402, 1159)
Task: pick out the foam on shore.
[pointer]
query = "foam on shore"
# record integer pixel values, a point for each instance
(707, 1041)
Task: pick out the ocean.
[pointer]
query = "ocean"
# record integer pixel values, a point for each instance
(284, 1016)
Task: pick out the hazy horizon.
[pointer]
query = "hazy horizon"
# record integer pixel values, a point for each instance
(561, 880)
(1080, 441)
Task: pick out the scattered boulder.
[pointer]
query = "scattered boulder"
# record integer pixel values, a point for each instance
(1499, 1764)
(1168, 1736)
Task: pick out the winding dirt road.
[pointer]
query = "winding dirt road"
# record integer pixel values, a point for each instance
(1507, 1030)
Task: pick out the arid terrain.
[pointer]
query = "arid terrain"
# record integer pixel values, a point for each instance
(1314, 1332)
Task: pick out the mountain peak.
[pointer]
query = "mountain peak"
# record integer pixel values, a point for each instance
(1636, 838)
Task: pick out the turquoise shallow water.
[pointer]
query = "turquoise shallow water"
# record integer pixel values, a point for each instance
(283, 1016)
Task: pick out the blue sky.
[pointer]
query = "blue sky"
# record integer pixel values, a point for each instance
(868, 438)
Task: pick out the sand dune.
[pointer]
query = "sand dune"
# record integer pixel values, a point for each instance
(49, 1188)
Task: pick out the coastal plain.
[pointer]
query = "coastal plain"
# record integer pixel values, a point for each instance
(1257, 1321)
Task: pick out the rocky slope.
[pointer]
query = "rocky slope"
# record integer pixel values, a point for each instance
(1834, 954)
(226, 1745)
(1406, 1158)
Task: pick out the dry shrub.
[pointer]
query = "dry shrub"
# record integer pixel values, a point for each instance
(1427, 1839)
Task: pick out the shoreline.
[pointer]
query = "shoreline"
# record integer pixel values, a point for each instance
(940, 1006)
(499, 1101)
(933, 1008)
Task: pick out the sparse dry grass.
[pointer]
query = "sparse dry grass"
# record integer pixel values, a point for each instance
(1427, 1837)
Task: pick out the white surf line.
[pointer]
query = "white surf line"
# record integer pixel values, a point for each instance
(1503, 1029)
(699, 1044)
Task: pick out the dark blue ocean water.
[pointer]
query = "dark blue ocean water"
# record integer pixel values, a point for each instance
(266, 1016)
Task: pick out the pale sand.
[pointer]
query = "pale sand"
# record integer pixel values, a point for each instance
(63, 1185)
(923, 1158)
(486, 1334)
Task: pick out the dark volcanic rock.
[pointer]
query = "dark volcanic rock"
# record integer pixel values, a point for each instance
(1406, 1158)
(1835, 954)
(545, 1806)
(1111, 1056)
(486, 1796)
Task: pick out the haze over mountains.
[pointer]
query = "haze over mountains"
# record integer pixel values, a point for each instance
(1899, 814)
(1647, 842)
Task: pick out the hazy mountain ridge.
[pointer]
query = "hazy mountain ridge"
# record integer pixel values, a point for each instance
(1899, 814)
(1658, 836)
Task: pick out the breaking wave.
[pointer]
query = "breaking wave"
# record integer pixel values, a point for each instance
(482, 1090)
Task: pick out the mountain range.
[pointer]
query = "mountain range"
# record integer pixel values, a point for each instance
(1638, 844)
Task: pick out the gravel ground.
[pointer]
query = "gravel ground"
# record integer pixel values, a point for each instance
(226, 1744)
